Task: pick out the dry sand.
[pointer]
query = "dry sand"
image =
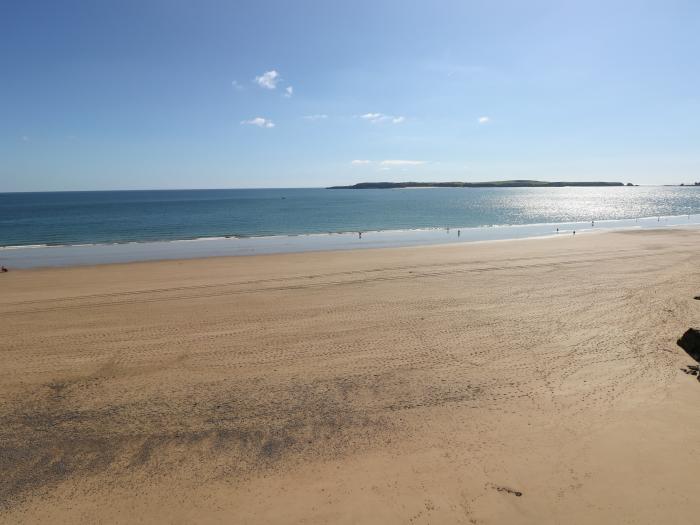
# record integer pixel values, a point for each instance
(514, 382)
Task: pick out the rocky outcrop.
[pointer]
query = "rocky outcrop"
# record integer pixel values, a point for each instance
(690, 342)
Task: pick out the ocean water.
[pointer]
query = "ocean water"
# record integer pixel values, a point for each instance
(267, 220)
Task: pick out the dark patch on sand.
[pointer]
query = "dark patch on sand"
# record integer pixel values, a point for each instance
(59, 432)
(692, 370)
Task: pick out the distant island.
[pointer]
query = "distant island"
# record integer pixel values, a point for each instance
(490, 184)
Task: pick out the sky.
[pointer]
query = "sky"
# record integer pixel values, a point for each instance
(98, 94)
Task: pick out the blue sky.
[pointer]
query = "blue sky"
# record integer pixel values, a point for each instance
(174, 94)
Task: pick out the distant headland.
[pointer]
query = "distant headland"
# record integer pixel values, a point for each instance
(490, 184)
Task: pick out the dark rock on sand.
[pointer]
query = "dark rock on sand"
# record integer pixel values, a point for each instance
(690, 342)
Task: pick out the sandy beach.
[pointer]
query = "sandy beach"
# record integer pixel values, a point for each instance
(527, 381)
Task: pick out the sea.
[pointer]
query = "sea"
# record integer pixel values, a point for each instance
(69, 228)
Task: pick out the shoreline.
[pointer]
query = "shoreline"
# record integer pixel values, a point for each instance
(45, 256)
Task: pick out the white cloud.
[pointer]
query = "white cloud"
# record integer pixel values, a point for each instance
(359, 162)
(288, 92)
(376, 118)
(315, 117)
(372, 116)
(396, 162)
(236, 85)
(268, 79)
(484, 120)
(259, 122)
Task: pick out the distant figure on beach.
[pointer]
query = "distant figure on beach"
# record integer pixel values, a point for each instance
(574, 232)
(459, 232)
(3, 269)
(359, 234)
(592, 224)
(557, 230)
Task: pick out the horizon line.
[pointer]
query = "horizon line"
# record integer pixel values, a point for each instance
(687, 185)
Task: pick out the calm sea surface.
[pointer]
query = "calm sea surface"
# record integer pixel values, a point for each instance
(70, 218)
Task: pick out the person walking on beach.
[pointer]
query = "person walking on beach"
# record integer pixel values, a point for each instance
(359, 234)
(459, 232)
(574, 232)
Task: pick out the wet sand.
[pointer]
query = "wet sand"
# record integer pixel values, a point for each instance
(528, 381)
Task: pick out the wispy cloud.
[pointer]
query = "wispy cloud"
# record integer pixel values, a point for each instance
(288, 92)
(398, 162)
(390, 163)
(484, 120)
(236, 85)
(376, 118)
(372, 116)
(268, 79)
(25, 138)
(259, 122)
(315, 117)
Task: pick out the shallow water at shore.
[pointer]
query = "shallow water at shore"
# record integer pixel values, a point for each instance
(87, 254)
